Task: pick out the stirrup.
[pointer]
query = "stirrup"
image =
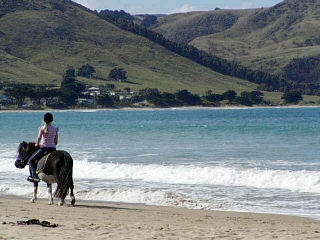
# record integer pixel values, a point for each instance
(34, 180)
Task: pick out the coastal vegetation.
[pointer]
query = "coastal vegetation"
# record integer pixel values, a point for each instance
(74, 94)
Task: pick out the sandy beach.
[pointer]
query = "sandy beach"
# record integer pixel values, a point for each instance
(104, 220)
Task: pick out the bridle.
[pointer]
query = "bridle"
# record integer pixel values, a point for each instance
(22, 161)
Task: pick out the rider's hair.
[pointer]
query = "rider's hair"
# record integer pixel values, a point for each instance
(45, 131)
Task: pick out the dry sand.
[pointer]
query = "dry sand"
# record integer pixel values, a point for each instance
(104, 220)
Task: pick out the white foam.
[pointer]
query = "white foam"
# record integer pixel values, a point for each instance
(150, 197)
(301, 181)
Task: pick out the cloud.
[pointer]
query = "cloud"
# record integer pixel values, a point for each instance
(243, 5)
(131, 8)
(246, 5)
(99, 4)
(184, 8)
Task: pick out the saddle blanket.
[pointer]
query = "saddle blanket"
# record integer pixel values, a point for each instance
(42, 163)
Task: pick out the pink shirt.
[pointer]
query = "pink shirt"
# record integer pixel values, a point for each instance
(47, 140)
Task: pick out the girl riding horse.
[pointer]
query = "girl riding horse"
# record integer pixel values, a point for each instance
(46, 141)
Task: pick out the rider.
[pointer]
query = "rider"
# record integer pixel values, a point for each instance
(46, 141)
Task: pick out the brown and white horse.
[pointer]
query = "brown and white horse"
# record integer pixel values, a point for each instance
(57, 168)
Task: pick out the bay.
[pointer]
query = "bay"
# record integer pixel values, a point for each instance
(247, 159)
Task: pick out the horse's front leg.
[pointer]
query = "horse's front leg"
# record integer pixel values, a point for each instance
(35, 192)
(49, 185)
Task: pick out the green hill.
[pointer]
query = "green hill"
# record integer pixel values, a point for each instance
(268, 39)
(14, 69)
(40, 39)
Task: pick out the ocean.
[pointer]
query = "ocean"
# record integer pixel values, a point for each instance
(262, 160)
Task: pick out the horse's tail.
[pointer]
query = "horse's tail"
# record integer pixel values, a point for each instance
(64, 178)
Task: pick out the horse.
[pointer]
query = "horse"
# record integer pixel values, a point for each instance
(57, 168)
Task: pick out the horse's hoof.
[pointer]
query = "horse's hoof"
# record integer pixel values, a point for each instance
(33, 200)
(60, 203)
(73, 201)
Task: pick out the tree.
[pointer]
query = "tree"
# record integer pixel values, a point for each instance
(230, 95)
(212, 97)
(110, 86)
(114, 15)
(292, 97)
(170, 100)
(149, 21)
(209, 92)
(50, 94)
(118, 74)
(70, 73)
(188, 98)
(86, 71)
(37, 94)
(136, 99)
(19, 92)
(243, 100)
(70, 88)
(105, 100)
(249, 98)
(127, 89)
(150, 94)
(255, 97)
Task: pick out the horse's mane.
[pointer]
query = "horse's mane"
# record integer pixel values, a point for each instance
(20, 146)
(24, 145)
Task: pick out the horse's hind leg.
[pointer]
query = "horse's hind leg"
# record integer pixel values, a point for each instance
(61, 201)
(35, 192)
(50, 193)
(73, 199)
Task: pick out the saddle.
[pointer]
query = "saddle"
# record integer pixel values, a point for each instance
(42, 163)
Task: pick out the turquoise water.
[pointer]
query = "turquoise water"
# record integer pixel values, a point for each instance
(253, 160)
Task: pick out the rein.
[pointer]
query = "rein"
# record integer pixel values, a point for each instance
(26, 158)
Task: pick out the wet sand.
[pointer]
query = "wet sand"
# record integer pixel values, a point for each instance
(104, 220)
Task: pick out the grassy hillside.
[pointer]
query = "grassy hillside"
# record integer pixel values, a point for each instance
(14, 69)
(41, 39)
(266, 39)
(185, 27)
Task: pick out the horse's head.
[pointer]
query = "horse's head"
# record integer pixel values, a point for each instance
(25, 150)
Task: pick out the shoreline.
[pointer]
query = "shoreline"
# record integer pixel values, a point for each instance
(150, 109)
(108, 220)
(103, 202)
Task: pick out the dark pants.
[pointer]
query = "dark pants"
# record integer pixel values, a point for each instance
(33, 160)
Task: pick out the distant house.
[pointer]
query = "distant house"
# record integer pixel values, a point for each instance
(93, 91)
(53, 88)
(87, 101)
(4, 99)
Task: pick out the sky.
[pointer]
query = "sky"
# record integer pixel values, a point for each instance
(173, 6)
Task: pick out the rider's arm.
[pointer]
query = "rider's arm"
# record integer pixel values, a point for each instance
(56, 139)
(39, 138)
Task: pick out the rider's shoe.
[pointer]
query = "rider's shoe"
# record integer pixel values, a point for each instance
(31, 179)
